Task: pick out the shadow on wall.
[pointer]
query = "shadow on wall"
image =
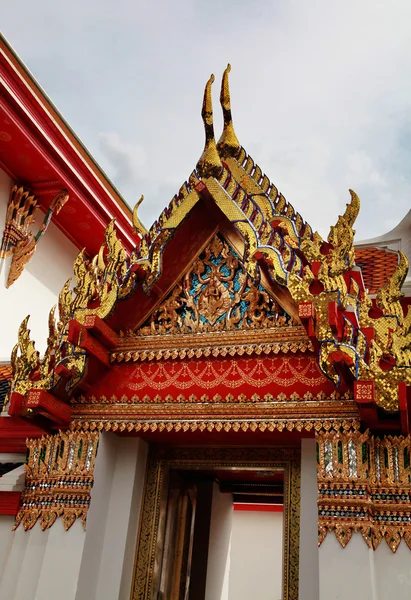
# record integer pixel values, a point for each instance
(52, 263)
(218, 567)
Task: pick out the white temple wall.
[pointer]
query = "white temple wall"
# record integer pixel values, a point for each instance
(244, 552)
(393, 572)
(113, 519)
(219, 546)
(256, 556)
(38, 287)
(347, 573)
(96, 564)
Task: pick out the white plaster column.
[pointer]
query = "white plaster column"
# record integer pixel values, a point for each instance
(309, 558)
(61, 562)
(347, 573)
(6, 538)
(113, 519)
(12, 564)
(12, 548)
(31, 565)
(219, 547)
(95, 564)
(133, 516)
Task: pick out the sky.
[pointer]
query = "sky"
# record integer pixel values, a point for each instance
(321, 93)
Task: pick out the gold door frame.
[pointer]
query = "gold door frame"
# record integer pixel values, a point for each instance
(162, 459)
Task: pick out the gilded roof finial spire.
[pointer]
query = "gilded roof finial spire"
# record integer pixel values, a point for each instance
(209, 164)
(138, 226)
(228, 144)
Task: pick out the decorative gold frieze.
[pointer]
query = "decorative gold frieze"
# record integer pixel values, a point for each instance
(328, 401)
(364, 485)
(223, 425)
(217, 413)
(59, 478)
(244, 343)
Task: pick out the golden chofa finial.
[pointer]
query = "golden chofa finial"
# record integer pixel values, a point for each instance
(209, 164)
(228, 144)
(138, 226)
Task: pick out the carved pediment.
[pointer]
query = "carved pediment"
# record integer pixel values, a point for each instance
(215, 308)
(215, 295)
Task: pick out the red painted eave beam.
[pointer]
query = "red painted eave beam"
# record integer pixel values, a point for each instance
(9, 503)
(57, 152)
(13, 434)
(278, 508)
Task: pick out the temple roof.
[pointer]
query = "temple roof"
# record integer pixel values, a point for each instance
(361, 343)
(377, 266)
(395, 240)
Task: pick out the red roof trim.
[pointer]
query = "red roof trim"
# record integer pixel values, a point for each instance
(278, 508)
(46, 131)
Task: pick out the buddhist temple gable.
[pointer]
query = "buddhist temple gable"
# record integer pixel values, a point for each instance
(360, 343)
(226, 340)
(214, 307)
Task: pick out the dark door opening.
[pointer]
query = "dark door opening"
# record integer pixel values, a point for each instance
(191, 510)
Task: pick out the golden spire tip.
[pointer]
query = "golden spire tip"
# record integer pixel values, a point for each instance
(209, 164)
(138, 226)
(228, 144)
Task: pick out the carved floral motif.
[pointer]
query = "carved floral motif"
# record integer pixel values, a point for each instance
(216, 294)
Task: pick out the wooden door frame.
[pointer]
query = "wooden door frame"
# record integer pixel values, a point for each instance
(152, 519)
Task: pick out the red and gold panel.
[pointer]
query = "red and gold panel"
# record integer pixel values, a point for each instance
(240, 378)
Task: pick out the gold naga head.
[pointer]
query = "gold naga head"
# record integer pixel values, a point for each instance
(59, 201)
(138, 226)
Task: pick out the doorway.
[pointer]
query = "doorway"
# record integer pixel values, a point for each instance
(218, 521)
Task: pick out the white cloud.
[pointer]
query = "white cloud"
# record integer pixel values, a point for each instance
(127, 160)
(320, 92)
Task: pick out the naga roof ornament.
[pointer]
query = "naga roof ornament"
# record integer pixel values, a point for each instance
(138, 226)
(209, 163)
(362, 341)
(228, 144)
(18, 241)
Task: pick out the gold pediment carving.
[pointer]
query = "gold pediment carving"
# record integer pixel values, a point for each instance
(214, 309)
(216, 294)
